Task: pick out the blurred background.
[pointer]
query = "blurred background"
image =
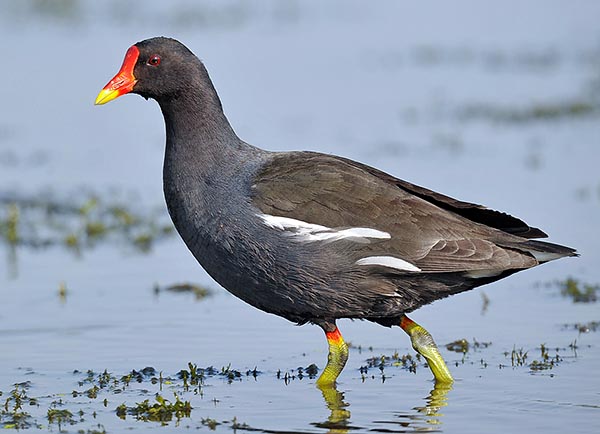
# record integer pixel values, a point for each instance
(497, 104)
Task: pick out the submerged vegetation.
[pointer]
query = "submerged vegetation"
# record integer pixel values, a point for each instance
(548, 111)
(463, 345)
(579, 292)
(582, 327)
(582, 102)
(200, 292)
(574, 289)
(79, 222)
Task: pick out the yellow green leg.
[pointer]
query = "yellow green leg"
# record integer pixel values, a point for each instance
(424, 344)
(336, 359)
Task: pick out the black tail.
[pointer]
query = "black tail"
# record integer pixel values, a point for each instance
(541, 250)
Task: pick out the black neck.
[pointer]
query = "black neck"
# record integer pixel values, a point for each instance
(200, 140)
(194, 117)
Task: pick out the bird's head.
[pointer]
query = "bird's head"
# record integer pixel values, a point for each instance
(154, 68)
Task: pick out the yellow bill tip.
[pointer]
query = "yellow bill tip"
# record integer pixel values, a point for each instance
(106, 95)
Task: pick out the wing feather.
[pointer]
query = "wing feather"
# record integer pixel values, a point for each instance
(427, 229)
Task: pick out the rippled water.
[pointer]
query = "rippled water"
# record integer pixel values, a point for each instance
(495, 104)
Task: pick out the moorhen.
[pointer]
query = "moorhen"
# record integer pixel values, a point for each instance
(313, 237)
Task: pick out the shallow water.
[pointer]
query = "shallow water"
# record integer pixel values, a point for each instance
(497, 105)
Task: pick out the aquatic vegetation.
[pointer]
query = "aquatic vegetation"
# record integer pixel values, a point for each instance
(525, 59)
(162, 410)
(199, 291)
(212, 424)
(62, 292)
(311, 370)
(9, 227)
(106, 381)
(546, 361)
(405, 361)
(235, 425)
(230, 374)
(144, 387)
(233, 374)
(458, 346)
(578, 291)
(359, 347)
(548, 111)
(12, 412)
(590, 326)
(518, 358)
(78, 221)
(225, 15)
(194, 377)
(463, 345)
(575, 289)
(100, 430)
(485, 303)
(299, 373)
(60, 417)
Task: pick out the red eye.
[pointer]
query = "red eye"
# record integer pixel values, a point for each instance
(154, 60)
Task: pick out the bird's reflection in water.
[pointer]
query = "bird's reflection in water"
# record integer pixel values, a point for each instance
(427, 418)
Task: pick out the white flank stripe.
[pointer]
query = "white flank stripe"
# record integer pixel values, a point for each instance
(388, 261)
(309, 232)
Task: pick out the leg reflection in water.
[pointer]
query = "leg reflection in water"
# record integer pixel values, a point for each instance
(339, 418)
(437, 399)
(421, 418)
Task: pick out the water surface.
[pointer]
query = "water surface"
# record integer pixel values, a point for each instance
(493, 104)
